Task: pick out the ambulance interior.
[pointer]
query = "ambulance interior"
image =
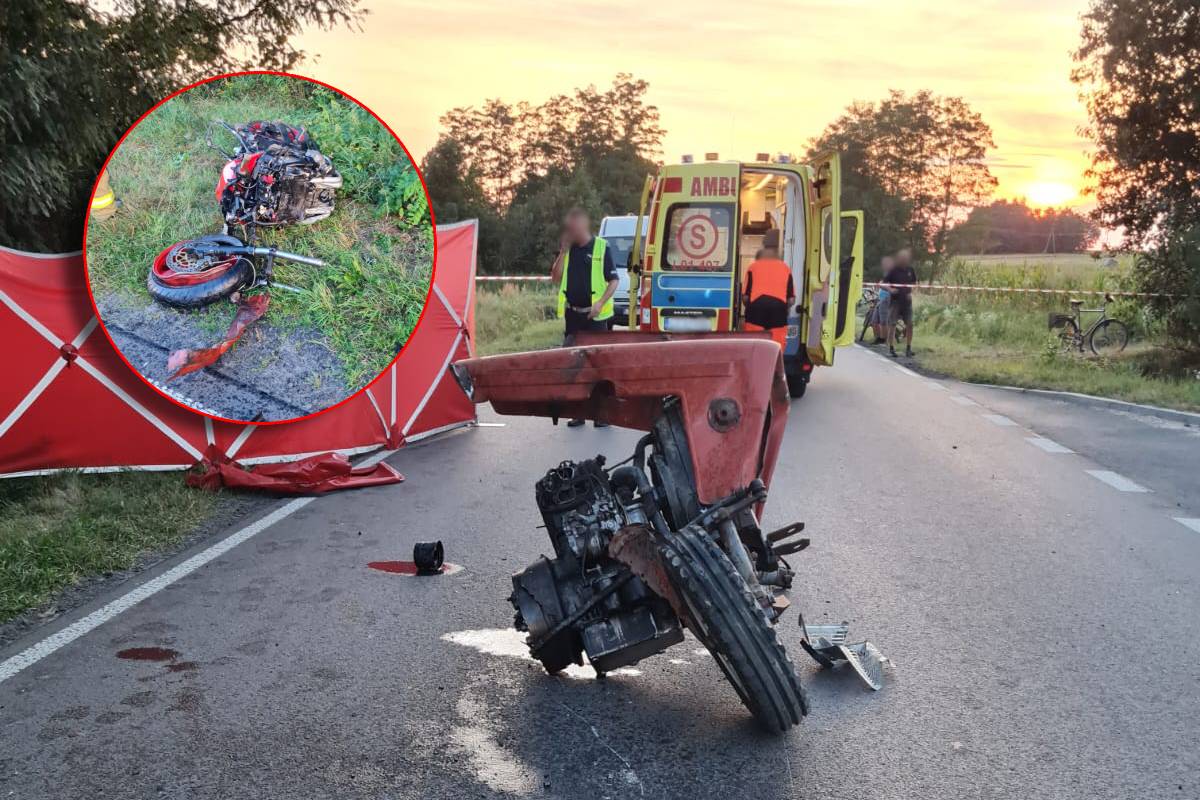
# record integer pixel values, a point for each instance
(771, 200)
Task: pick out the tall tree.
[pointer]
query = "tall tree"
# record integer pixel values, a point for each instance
(76, 75)
(532, 162)
(1138, 69)
(923, 150)
(1011, 226)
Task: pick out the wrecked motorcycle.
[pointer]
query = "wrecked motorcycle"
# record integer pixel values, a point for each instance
(670, 537)
(274, 176)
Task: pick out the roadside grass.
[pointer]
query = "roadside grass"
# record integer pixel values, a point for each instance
(1005, 339)
(58, 530)
(377, 245)
(512, 318)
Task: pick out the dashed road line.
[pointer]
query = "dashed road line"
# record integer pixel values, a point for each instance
(1116, 480)
(1049, 445)
(1000, 419)
(937, 387)
(1189, 522)
(963, 401)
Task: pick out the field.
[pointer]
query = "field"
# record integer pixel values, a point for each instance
(377, 245)
(1005, 338)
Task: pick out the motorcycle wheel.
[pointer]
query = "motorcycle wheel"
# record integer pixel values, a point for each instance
(199, 290)
(727, 619)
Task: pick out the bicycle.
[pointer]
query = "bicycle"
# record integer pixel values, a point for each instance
(871, 318)
(1106, 336)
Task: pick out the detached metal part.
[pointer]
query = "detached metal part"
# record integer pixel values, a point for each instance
(827, 645)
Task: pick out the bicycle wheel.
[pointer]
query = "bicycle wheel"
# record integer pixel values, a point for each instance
(1068, 337)
(868, 318)
(1109, 337)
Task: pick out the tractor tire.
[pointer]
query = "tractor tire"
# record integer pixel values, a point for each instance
(725, 617)
(797, 386)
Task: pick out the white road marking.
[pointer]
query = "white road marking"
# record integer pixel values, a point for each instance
(492, 763)
(936, 386)
(1049, 445)
(963, 401)
(50, 644)
(1117, 481)
(510, 643)
(1000, 419)
(1189, 522)
(906, 371)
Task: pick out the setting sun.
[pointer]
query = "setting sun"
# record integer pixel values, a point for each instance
(1049, 194)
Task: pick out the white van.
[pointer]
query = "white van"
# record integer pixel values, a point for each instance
(618, 232)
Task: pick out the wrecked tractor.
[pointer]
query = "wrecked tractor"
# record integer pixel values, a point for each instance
(669, 537)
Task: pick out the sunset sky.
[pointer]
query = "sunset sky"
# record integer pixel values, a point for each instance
(733, 77)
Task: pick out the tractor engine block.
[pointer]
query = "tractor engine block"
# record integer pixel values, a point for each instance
(582, 600)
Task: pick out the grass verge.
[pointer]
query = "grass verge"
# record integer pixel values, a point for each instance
(377, 245)
(58, 530)
(514, 318)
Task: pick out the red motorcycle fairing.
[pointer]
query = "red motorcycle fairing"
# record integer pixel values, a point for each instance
(731, 392)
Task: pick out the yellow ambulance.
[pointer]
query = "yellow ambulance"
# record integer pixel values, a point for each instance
(706, 223)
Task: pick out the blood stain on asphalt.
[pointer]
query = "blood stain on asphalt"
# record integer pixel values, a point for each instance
(148, 654)
(409, 568)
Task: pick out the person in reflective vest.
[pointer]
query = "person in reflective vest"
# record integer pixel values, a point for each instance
(586, 279)
(769, 291)
(104, 201)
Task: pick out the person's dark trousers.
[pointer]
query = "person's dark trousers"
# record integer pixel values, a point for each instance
(576, 321)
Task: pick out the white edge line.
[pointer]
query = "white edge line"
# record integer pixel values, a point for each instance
(1000, 420)
(905, 370)
(1189, 522)
(1082, 396)
(31, 655)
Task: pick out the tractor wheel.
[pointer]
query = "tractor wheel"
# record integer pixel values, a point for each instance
(724, 615)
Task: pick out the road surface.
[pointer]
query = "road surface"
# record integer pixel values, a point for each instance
(1043, 621)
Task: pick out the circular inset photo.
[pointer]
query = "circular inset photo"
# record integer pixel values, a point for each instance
(259, 247)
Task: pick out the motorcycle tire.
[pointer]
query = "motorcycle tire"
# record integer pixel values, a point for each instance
(726, 618)
(200, 291)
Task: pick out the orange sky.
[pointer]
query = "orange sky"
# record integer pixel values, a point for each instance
(734, 77)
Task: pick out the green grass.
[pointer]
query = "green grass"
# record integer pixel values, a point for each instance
(377, 245)
(58, 530)
(513, 318)
(999, 338)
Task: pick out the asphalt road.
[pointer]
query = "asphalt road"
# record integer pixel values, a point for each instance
(1044, 628)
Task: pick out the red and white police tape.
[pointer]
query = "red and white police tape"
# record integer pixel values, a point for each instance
(945, 287)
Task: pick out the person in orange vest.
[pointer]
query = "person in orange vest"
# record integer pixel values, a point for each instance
(769, 292)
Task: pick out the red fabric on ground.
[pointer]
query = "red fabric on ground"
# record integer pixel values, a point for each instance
(317, 474)
(249, 309)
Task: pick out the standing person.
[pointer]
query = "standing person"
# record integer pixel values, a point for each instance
(770, 291)
(902, 276)
(587, 279)
(883, 306)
